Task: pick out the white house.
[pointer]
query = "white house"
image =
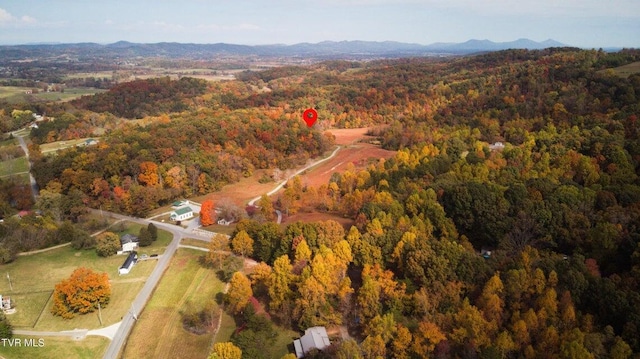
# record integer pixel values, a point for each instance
(224, 222)
(181, 214)
(129, 242)
(128, 263)
(313, 338)
(497, 146)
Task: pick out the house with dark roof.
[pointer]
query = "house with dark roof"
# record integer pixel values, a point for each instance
(129, 242)
(313, 338)
(132, 258)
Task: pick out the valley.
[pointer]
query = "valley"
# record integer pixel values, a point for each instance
(434, 196)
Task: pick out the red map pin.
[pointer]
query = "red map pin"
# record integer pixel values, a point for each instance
(310, 116)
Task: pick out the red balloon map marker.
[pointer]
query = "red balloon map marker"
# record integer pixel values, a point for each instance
(310, 116)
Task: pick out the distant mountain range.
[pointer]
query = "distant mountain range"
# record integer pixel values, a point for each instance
(321, 50)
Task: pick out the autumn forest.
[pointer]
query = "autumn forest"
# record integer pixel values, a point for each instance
(505, 225)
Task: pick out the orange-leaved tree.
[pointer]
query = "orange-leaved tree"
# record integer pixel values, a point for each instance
(81, 293)
(207, 213)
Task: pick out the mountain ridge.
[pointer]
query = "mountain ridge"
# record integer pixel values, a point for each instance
(324, 49)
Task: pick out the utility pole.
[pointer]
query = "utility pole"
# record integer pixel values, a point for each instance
(100, 313)
(9, 278)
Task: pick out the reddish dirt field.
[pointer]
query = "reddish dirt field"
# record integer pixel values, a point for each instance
(352, 151)
(317, 216)
(349, 136)
(359, 154)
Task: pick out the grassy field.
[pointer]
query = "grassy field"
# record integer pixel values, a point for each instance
(13, 94)
(194, 242)
(10, 91)
(20, 178)
(68, 94)
(59, 145)
(33, 278)
(9, 142)
(627, 70)
(221, 229)
(158, 333)
(57, 348)
(16, 165)
(31, 306)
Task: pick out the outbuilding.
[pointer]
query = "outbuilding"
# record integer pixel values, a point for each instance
(313, 338)
(128, 263)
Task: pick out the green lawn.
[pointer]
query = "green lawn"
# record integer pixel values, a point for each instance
(31, 306)
(157, 247)
(35, 275)
(158, 333)
(57, 348)
(15, 165)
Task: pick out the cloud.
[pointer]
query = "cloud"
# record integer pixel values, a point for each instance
(590, 8)
(7, 19)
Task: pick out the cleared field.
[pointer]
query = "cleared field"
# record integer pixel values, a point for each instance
(14, 166)
(68, 94)
(194, 242)
(349, 136)
(158, 333)
(627, 70)
(33, 276)
(59, 145)
(9, 142)
(9, 91)
(360, 155)
(318, 216)
(57, 348)
(23, 94)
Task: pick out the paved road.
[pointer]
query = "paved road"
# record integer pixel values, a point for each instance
(124, 327)
(141, 300)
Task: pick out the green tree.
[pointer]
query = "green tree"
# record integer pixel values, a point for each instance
(107, 244)
(144, 237)
(6, 329)
(153, 230)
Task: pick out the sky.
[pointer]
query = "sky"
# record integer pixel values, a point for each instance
(581, 23)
